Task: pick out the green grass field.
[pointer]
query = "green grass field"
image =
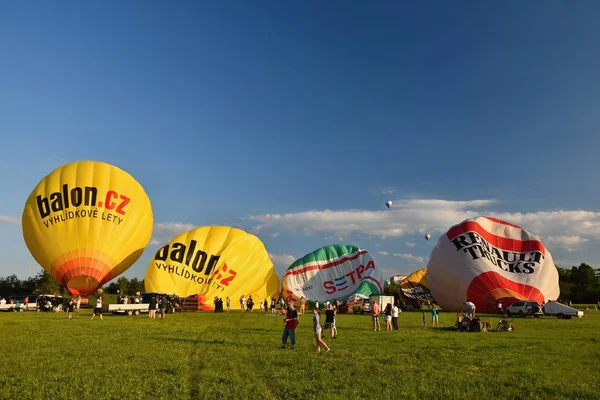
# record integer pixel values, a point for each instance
(238, 356)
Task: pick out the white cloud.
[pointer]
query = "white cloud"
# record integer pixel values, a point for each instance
(282, 261)
(564, 228)
(388, 190)
(170, 229)
(410, 258)
(383, 253)
(154, 242)
(569, 243)
(9, 220)
(404, 218)
(411, 244)
(377, 245)
(274, 234)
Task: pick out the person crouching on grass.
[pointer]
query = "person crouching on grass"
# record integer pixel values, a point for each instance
(318, 330)
(291, 322)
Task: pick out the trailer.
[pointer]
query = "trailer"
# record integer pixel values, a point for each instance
(561, 311)
(129, 309)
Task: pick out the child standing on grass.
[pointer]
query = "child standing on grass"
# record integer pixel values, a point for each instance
(318, 330)
(424, 319)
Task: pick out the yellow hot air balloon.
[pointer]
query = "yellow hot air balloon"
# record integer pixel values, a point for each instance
(86, 223)
(213, 261)
(415, 286)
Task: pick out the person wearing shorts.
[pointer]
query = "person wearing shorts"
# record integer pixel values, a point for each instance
(330, 321)
(375, 310)
(71, 307)
(302, 305)
(98, 308)
(434, 317)
(318, 331)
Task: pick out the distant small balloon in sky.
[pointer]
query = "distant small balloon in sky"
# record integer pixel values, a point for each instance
(428, 236)
(388, 204)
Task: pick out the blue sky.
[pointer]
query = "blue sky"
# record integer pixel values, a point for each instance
(298, 120)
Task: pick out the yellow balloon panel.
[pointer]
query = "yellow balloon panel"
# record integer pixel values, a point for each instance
(213, 261)
(415, 285)
(86, 223)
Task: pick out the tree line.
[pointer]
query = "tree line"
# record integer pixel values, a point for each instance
(44, 283)
(579, 284)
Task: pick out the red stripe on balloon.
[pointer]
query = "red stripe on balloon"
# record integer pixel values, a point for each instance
(516, 245)
(325, 266)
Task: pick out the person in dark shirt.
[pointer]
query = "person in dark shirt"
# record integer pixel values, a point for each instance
(330, 321)
(152, 307)
(71, 307)
(291, 322)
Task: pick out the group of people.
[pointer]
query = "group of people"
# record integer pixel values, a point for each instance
(390, 316)
(291, 323)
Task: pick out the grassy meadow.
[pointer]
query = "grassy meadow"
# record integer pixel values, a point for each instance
(238, 356)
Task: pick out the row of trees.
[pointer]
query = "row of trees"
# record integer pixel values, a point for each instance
(44, 283)
(578, 284)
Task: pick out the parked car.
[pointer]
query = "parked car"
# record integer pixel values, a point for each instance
(362, 307)
(524, 308)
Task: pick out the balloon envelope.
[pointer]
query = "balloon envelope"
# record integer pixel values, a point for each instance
(485, 260)
(415, 285)
(213, 261)
(428, 236)
(388, 204)
(86, 223)
(333, 272)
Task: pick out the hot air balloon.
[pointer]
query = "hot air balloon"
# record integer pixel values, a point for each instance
(485, 260)
(388, 204)
(86, 223)
(415, 286)
(427, 237)
(333, 272)
(213, 261)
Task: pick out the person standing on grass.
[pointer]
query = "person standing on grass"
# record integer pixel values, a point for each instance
(499, 308)
(152, 307)
(387, 312)
(291, 322)
(302, 305)
(266, 304)
(375, 311)
(318, 331)
(98, 308)
(72, 306)
(163, 306)
(330, 321)
(228, 303)
(434, 317)
(395, 311)
(424, 319)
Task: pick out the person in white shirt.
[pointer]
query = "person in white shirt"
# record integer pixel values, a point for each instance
(2, 301)
(395, 311)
